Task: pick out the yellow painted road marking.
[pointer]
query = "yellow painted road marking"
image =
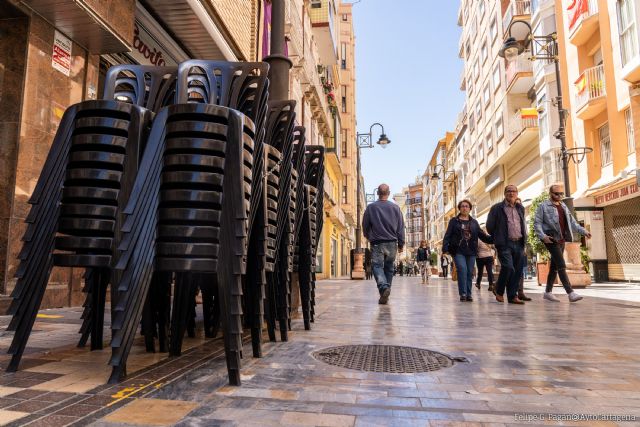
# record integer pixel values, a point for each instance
(49, 316)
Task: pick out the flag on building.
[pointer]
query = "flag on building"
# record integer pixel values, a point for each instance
(581, 83)
(528, 113)
(576, 9)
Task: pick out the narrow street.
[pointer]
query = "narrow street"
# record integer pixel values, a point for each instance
(541, 358)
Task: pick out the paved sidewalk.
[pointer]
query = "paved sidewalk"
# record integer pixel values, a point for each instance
(524, 361)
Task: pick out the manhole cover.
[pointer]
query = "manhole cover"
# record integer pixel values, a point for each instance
(384, 358)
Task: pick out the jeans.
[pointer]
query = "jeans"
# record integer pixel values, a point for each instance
(464, 265)
(445, 271)
(383, 256)
(486, 263)
(511, 258)
(424, 270)
(558, 267)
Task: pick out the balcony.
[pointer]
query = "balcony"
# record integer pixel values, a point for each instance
(583, 21)
(520, 74)
(322, 14)
(591, 93)
(523, 126)
(517, 10)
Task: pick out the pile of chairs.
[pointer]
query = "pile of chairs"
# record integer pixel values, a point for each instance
(182, 180)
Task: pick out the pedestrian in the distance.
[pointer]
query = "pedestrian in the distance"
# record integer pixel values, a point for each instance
(383, 226)
(423, 255)
(461, 241)
(401, 268)
(554, 225)
(444, 264)
(505, 223)
(485, 261)
(367, 264)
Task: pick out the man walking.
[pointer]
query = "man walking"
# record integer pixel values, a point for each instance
(554, 225)
(505, 224)
(383, 226)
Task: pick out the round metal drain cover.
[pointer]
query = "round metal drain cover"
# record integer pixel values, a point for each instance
(384, 358)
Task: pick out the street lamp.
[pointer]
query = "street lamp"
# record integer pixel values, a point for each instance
(546, 48)
(363, 140)
(453, 178)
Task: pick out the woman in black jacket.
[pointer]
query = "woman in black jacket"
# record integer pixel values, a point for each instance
(461, 241)
(422, 258)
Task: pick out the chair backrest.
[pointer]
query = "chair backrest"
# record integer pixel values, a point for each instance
(147, 86)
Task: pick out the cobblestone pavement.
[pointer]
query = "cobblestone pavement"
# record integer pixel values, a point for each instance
(541, 360)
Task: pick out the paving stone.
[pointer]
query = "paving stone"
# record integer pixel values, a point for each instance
(152, 412)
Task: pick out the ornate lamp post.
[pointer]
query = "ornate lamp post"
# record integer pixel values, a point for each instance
(363, 140)
(546, 48)
(452, 179)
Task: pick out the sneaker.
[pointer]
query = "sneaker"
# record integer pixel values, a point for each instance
(551, 297)
(469, 298)
(573, 297)
(384, 298)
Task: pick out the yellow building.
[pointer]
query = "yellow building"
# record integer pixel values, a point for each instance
(600, 64)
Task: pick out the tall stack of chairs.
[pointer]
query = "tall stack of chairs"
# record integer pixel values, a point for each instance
(183, 178)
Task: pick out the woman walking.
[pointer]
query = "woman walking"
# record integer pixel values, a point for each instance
(422, 258)
(461, 241)
(485, 261)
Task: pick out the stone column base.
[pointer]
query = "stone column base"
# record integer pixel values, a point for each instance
(357, 273)
(577, 276)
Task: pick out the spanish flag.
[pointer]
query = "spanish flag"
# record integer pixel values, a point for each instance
(576, 9)
(528, 113)
(581, 83)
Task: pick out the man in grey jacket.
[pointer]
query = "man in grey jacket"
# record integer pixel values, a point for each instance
(383, 226)
(554, 225)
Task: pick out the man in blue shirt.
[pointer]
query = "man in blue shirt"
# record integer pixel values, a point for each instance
(383, 226)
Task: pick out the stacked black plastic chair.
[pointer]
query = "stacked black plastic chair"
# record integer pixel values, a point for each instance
(189, 210)
(298, 198)
(86, 179)
(279, 137)
(314, 184)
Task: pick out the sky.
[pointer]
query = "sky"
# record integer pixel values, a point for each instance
(407, 79)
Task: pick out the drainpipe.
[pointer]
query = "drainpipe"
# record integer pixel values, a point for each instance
(278, 62)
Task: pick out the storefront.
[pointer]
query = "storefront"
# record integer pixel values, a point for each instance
(620, 218)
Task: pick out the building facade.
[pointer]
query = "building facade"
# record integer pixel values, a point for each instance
(600, 62)
(55, 54)
(414, 218)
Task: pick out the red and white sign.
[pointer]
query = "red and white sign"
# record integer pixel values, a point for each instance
(618, 195)
(61, 58)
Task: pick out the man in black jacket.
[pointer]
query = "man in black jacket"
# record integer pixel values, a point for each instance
(506, 225)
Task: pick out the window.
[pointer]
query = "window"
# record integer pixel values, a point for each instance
(344, 99)
(343, 56)
(345, 17)
(472, 122)
(543, 118)
(552, 167)
(605, 145)
(493, 30)
(480, 8)
(480, 152)
(468, 49)
(345, 142)
(316, 4)
(484, 52)
(499, 129)
(345, 194)
(627, 29)
(631, 142)
(476, 69)
(479, 110)
(469, 85)
(486, 95)
(497, 77)
(489, 138)
(473, 162)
